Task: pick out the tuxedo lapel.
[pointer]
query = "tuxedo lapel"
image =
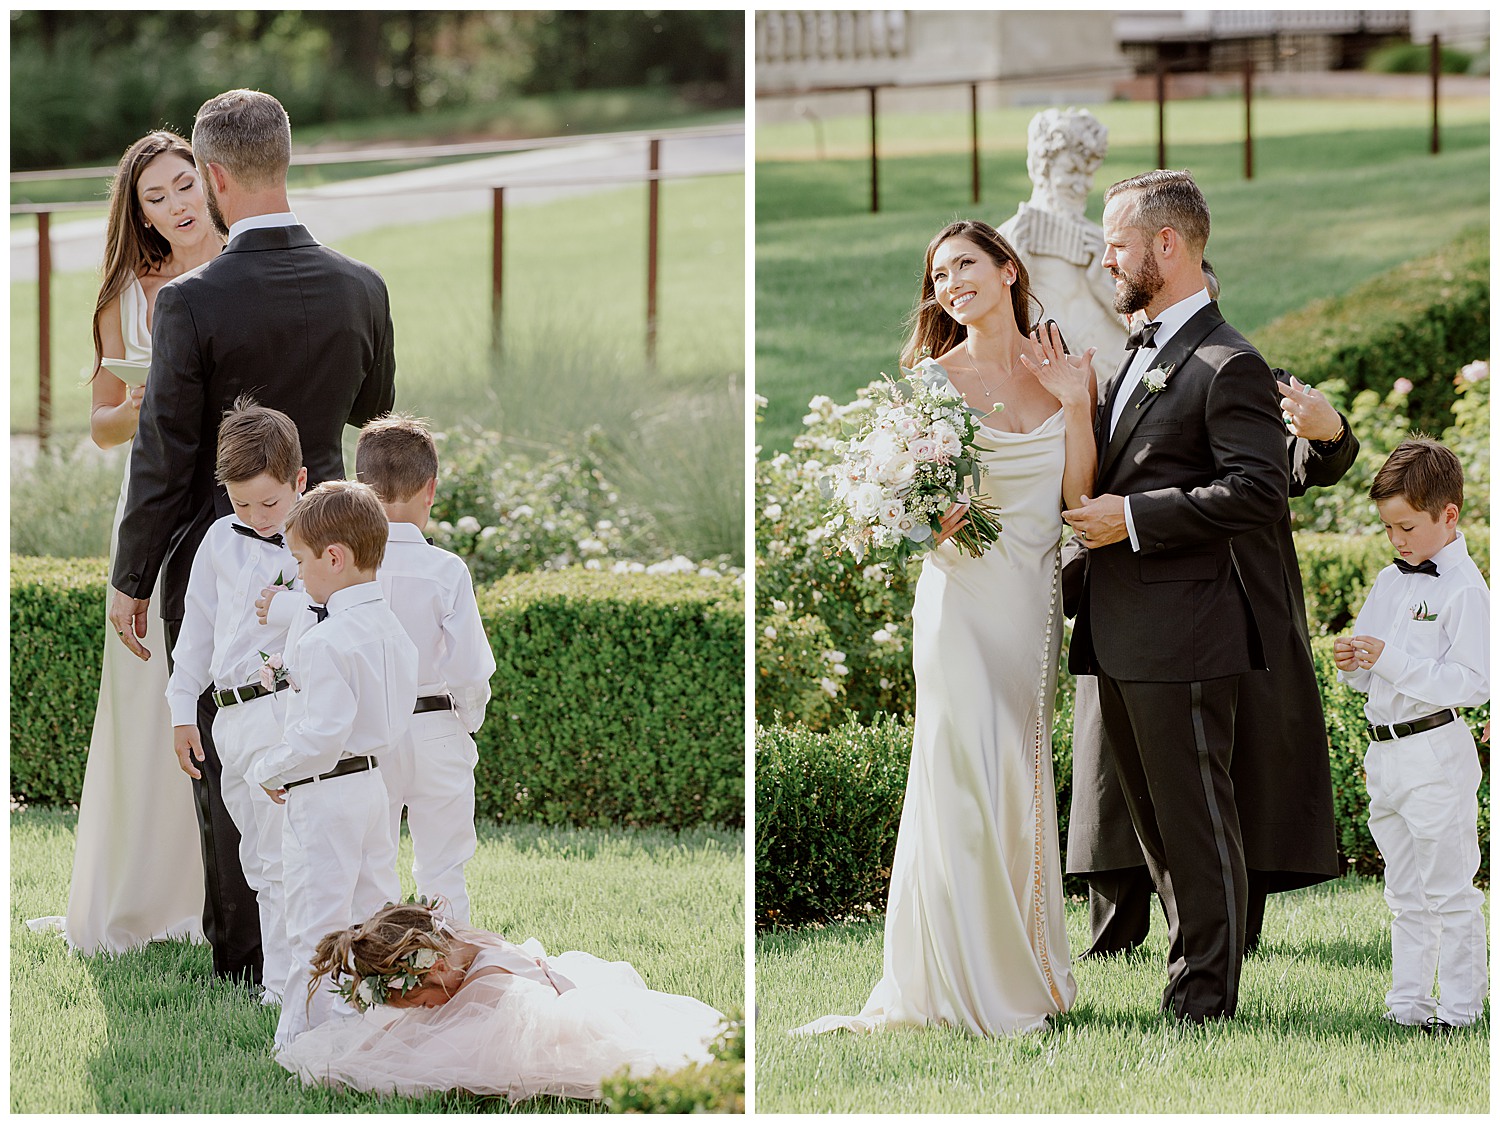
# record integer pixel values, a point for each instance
(1107, 408)
(1172, 356)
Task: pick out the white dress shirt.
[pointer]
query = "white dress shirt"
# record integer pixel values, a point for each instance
(1170, 322)
(432, 594)
(261, 222)
(220, 641)
(1436, 633)
(356, 676)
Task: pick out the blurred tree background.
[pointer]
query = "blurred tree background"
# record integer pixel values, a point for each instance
(85, 83)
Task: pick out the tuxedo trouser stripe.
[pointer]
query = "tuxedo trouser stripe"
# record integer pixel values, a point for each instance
(1200, 739)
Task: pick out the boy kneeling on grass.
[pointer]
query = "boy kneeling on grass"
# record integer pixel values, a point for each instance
(354, 674)
(1419, 649)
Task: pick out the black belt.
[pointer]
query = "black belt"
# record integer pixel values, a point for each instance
(1404, 729)
(433, 702)
(342, 769)
(245, 694)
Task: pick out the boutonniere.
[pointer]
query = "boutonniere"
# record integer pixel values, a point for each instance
(274, 673)
(1420, 613)
(1155, 380)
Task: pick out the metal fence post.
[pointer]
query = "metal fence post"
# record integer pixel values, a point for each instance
(497, 266)
(44, 327)
(974, 137)
(1249, 137)
(1437, 69)
(874, 161)
(653, 225)
(1161, 113)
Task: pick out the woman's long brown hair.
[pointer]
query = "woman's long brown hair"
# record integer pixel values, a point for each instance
(931, 326)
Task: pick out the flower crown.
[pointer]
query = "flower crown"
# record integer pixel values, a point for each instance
(377, 989)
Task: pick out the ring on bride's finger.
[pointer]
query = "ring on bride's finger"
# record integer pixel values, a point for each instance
(1046, 362)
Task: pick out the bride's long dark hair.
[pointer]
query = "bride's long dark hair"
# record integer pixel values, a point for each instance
(130, 246)
(932, 327)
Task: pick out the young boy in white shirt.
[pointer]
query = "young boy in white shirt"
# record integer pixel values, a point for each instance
(259, 462)
(432, 593)
(1420, 648)
(354, 673)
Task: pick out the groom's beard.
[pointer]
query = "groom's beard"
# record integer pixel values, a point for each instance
(1132, 293)
(216, 215)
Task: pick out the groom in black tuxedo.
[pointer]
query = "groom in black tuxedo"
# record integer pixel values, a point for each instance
(1192, 451)
(277, 316)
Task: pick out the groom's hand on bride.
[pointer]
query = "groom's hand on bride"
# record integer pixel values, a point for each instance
(127, 616)
(188, 744)
(1099, 521)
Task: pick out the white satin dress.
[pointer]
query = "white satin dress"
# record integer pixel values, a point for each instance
(974, 927)
(557, 1025)
(137, 860)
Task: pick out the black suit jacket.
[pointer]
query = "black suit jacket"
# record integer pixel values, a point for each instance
(303, 329)
(1202, 460)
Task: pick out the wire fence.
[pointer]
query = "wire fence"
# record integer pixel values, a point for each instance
(532, 182)
(1164, 73)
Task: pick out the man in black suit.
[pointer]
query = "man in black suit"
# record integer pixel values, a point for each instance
(1191, 453)
(303, 330)
(1282, 787)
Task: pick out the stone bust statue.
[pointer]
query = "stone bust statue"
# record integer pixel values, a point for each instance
(1061, 248)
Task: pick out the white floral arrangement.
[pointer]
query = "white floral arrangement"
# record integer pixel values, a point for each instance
(904, 466)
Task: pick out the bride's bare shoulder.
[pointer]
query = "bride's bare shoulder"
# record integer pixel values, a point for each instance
(955, 359)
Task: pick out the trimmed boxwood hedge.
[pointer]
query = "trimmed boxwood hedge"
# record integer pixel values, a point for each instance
(618, 698)
(827, 805)
(1422, 320)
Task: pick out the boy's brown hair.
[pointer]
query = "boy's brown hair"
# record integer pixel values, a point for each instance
(256, 440)
(342, 511)
(1424, 472)
(396, 456)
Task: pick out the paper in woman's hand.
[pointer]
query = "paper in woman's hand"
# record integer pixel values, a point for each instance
(131, 372)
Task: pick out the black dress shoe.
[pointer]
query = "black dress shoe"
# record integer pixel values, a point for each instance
(1437, 1026)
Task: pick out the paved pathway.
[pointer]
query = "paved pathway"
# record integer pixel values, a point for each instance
(338, 210)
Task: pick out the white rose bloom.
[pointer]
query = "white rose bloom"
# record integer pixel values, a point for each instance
(830, 686)
(424, 958)
(880, 636)
(770, 632)
(923, 449)
(864, 501)
(365, 993)
(891, 513)
(469, 525)
(773, 511)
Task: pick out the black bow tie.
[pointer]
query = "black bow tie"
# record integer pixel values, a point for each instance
(273, 540)
(1426, 567)
(1144, 337)
(429, 540)
(319, 611)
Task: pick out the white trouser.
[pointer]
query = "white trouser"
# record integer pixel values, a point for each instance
(242, 733)
(431, 774)
(340, 868)
(1423, 816)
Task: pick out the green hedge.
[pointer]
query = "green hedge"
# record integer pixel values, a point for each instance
(827, 805)
(618, 698)
(1422, 320)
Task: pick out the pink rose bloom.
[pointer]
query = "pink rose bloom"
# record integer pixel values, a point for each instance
(1404, 386)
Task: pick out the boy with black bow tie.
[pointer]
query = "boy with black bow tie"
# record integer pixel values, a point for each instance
(355, 675)
(1419, 649)
(259, 462)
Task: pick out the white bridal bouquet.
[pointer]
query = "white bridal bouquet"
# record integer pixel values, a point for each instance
(905, 466)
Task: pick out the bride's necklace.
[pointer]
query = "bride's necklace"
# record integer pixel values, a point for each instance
(988, 393)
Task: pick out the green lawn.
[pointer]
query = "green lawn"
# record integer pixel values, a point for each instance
(150, 1031)
(575, 288)
(1342, 190)
(1308, 1036)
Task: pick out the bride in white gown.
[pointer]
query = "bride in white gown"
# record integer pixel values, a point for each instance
(974, 929)
(450, 1007)
(137, 866)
